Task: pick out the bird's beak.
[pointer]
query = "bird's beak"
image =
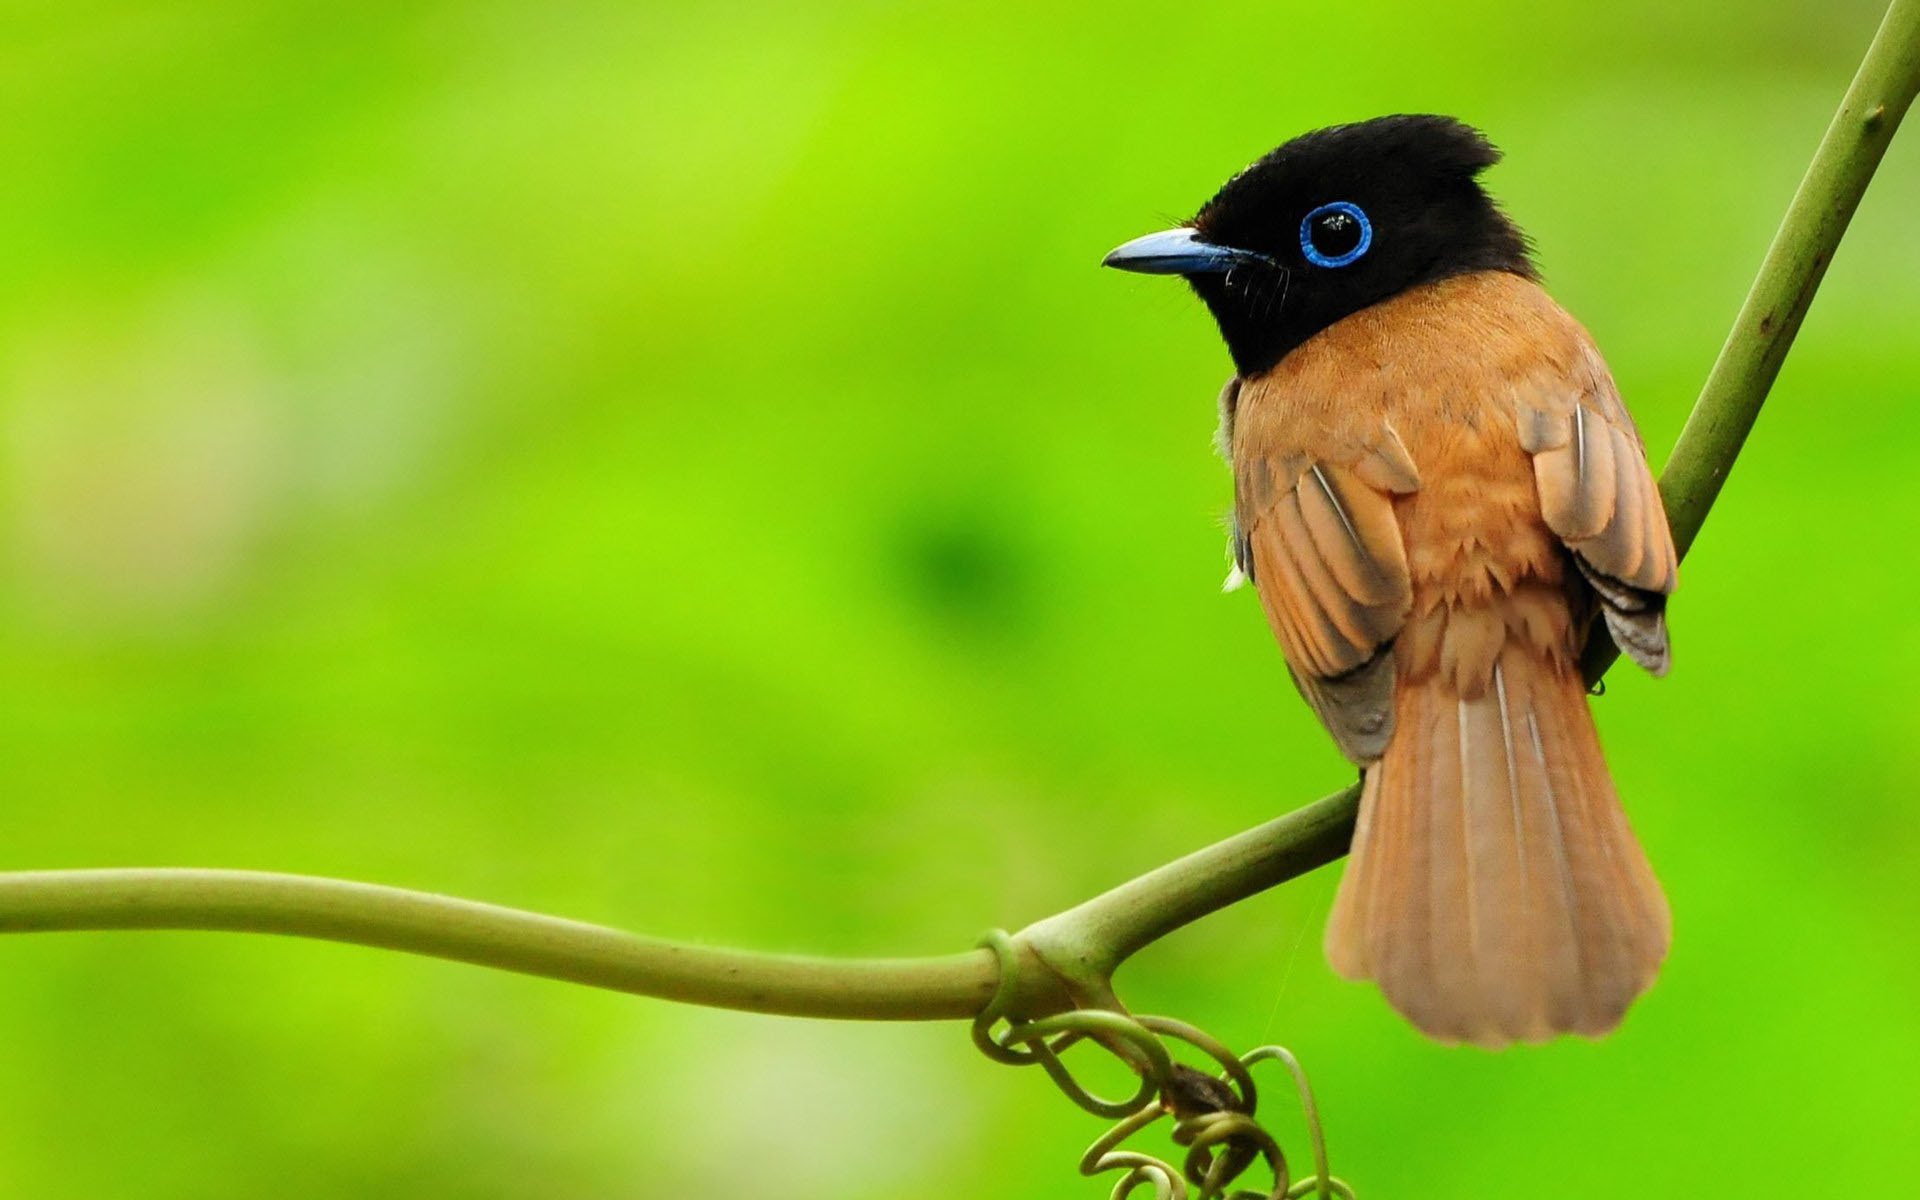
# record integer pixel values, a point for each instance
(1177, 252)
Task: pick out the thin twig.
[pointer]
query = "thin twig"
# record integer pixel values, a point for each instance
(488, 935)
(1842, 166)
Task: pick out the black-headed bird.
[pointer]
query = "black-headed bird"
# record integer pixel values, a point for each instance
(1437, 493)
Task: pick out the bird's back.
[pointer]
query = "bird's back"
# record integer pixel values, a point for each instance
(1402, 509)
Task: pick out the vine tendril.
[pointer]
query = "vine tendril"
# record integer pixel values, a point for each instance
(1213, 1114)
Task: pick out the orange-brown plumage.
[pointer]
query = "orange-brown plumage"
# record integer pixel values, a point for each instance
(1433, 494)
(1438, 496)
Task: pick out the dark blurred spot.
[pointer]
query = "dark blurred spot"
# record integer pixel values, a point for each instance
(1192, 1093)
(967, 569)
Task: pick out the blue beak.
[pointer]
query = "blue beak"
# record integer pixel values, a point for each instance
(1177, 252)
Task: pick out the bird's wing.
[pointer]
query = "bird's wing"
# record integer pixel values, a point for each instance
(1598, 495)
(1317, 534)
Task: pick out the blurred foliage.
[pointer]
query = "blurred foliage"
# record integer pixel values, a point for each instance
(678, 466)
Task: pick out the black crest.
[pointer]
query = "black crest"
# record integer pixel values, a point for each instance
(1343, 218)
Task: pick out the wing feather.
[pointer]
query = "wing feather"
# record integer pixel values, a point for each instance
(1331, 569)
(1620, 548)
(1305, 630)
(1577, 481)
(1598, 495)
(1322, 589)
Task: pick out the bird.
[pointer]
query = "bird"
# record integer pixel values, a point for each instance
(1439, 497)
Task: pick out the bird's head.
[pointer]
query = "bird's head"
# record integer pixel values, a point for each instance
(1332, 222)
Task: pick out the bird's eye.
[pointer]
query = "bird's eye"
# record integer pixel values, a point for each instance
(1336, 234)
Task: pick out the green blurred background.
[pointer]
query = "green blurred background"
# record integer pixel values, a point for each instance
(679, 466)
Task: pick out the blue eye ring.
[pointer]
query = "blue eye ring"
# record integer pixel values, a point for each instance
(1346, 208)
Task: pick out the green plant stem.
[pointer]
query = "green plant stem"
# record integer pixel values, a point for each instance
(1085, 944)
(950, 986)
(955, 985)
(489, 935)
(1882, 90)
(1069, 958)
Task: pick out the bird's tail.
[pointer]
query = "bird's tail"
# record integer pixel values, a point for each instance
(1495, 892)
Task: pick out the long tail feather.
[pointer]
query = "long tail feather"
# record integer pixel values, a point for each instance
(1495, 891)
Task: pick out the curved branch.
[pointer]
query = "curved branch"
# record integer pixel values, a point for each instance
(510, 939)
(1882, 90)
(1086, 943)
(488, 935)
(1075, 951)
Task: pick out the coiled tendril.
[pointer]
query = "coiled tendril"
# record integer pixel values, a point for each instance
(1213, 1116)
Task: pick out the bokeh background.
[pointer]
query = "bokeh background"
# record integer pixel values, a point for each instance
(678, 465)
